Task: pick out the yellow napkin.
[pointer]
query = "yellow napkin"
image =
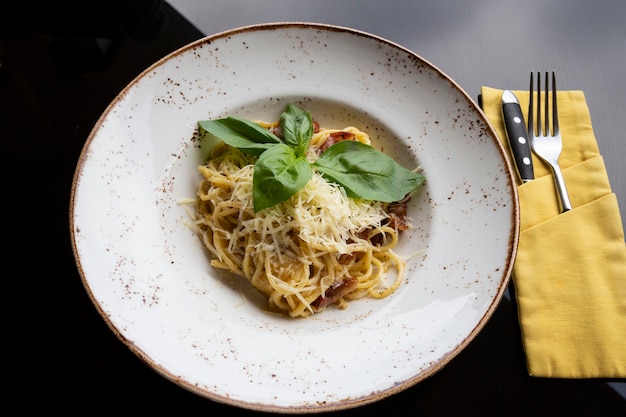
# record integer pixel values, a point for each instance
(570, 272)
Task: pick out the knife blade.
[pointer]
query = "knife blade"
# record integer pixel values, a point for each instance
(518, 135)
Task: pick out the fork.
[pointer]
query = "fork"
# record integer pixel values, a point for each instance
(546, 143)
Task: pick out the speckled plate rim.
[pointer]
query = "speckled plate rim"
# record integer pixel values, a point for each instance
(116, 315)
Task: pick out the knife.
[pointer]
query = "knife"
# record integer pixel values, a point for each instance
(518, 135)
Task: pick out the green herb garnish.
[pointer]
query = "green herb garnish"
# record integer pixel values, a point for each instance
(282, 168)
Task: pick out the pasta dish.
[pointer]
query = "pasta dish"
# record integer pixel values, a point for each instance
(318, 247)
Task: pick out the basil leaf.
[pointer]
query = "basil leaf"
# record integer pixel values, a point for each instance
(366, 173)
(278, 174)
(297, 127)
(242, 134)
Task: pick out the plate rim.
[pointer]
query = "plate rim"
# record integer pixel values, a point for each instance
(340, 404)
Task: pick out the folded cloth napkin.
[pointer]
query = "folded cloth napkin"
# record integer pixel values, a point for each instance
(570, 272)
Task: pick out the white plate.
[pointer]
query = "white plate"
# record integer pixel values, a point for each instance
(150, 278)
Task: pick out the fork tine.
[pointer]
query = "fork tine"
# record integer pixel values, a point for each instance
(555, 114)
(546, 106)
(531, 123)
(539, 127)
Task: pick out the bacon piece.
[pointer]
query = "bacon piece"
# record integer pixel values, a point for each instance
(398, 215)
(344, 258)
(335, 292)
(378, 239)
(335, 137)
(363, 234)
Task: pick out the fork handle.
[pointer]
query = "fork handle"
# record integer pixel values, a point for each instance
(561, 190)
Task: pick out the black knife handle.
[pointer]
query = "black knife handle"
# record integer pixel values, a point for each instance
(518, 140)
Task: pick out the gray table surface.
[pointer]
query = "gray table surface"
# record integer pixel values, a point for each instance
(494, 43)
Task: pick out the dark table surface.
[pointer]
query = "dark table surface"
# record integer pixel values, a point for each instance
(57, 75)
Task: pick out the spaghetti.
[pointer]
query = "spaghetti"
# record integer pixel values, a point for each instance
(319, 247)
